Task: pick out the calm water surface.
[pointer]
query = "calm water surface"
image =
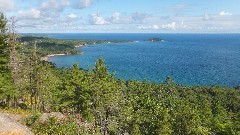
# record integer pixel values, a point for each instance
(191, 59)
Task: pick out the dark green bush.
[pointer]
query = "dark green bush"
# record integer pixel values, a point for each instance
(30, 120)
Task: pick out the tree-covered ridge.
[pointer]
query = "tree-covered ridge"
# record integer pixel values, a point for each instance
(113, 106)
(48, 46)
(95, 102)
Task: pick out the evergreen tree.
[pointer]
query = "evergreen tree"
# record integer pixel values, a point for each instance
(106, 98)
(7, 89)
(4, 47)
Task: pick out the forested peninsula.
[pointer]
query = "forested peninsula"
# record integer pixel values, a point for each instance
(75, 101)
(49, 46)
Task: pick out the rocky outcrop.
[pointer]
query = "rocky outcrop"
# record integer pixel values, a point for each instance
(45, 116)
(10, 124)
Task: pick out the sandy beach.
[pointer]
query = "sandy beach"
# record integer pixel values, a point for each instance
(45, 58)
(80, 45)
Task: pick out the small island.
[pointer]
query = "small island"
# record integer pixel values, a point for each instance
(155, 40)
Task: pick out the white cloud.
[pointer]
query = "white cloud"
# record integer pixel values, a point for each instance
(139, 17)
(84, 4)
(169, 26)
(65, 3)
(6, 5)
(48, 15)
(206, 17)
(29, 14)
(150, 27)
(155, 27)
(115, 18)
(72, 16)
(54, 4)
(223, 13)
(97, 19)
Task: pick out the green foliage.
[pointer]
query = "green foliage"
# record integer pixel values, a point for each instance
(108, 105)
(7, 88)
(96, 95)
(39, 82)
(32, 119)
(169, 81)
(4, 48)
(48, 46)
(149, 108)
(53, 126)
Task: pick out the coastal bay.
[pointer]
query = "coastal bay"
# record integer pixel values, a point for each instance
(198, 59)
(110, 67)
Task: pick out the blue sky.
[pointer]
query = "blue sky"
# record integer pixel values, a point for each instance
(124, 16)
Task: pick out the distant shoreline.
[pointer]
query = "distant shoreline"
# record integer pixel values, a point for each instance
(45, 58)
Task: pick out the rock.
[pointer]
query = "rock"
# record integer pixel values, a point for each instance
(10, 124)
(45, 116)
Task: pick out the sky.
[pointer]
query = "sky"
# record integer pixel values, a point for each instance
(124, 16)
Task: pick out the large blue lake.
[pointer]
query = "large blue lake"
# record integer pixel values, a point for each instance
(191, 59)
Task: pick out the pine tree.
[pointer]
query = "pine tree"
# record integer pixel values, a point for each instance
(106, 99)
(7, 89)
(4, 47)
(14, 56)
(38, 83)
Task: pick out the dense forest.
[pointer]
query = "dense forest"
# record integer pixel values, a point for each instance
(95, 102)
(48, 46)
